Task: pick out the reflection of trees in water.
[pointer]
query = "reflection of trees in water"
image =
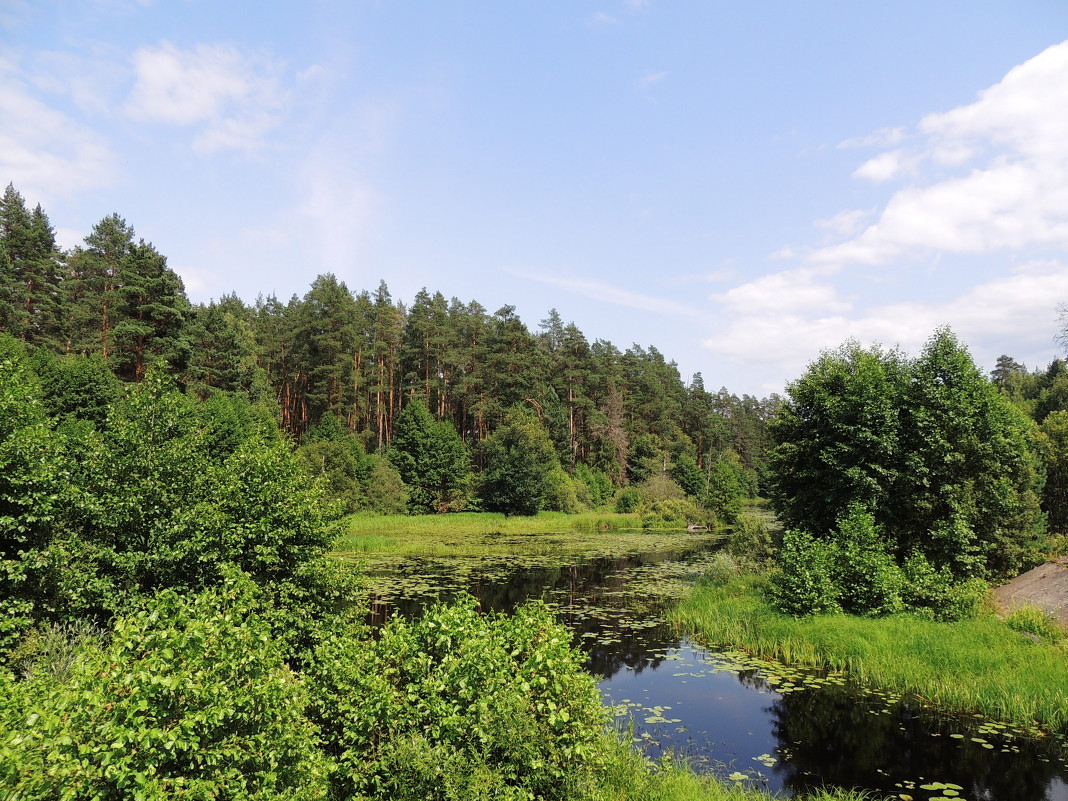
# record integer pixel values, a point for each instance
(592, 596)
(833, 737)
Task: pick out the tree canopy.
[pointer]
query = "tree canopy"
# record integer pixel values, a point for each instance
(928, 446)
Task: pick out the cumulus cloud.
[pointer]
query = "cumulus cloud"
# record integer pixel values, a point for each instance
(235, 98)
(988, 176)
(787, 292)
(43, 151)
(1014, 312)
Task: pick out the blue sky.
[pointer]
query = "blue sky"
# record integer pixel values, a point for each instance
(739, 184)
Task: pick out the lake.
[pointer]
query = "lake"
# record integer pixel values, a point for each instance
(747, 721)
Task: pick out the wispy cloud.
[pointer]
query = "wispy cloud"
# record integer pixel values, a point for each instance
(234, 97)
(846, 223)
(597, 290)
(884, 137)
(988, 176)
(43, 151)
(651, 79)
(603, 20)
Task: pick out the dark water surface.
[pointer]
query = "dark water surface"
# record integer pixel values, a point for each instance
(747, 721)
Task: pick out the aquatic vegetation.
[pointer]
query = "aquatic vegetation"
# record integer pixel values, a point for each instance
(969, 666)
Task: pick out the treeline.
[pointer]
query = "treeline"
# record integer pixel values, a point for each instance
(1042, 395)
(336, 359)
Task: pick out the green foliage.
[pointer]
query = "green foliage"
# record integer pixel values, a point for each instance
(335, 465)
(805, 584)
(1054, 445)
(189, 700)
(1030, 619)
(431, 459)
(160, 510)
(729, 483)
(34, 495)
(520, 461)
(941, 460)
(459, 705)
(688, 475)
(722, 568)
(598, 487)
(560, 494)
(672, 513)
(853, 571)
(76, 387)
(628, 500)
(750, 542)
(386, 493)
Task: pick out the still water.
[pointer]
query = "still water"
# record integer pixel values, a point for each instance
(756, 723)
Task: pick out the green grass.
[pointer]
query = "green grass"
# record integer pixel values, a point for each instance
(973, 666)
(487, 534)
(630, 777)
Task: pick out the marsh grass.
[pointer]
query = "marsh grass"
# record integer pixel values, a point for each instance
(489, 534)
(973, 666)
(627, 776)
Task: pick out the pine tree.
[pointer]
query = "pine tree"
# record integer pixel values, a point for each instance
(30, 272)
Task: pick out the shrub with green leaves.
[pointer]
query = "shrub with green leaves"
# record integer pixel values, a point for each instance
(805, 583)
(34, 492)
(854, 571)
(750, 542)
(189, 700)
(458, 705)
(160, 510)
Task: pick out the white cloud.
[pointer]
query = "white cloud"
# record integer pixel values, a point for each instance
(785, 320)
(846, 223)
(788, 292)
(884, 167)
(988, 176)
(597, 290)
(43, 151)
(91, 77)
(233, 96)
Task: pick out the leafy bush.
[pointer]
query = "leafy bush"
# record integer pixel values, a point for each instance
(853, 571)
(869, 580)
(728, 484)
(458, 705)
(750, 541)
(190, 700)
(598, 486)
(159, 510)
(560, 495)
(672, 513)
(386, 492)
(722, 568)
(805, 583)
(34, 494)
(628, 500)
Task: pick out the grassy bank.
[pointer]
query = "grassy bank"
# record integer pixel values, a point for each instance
(483, 533)
(630, 779)
(974, 666)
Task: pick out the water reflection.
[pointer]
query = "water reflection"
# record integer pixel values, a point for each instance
(787, 733)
